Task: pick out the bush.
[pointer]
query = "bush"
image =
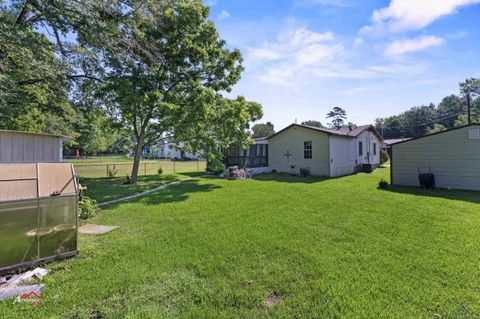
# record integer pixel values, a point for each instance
(112, 171)
(160, 171)
(304, 172)
(384, 157)
(87, 207)
(383, 184)
(214, 164)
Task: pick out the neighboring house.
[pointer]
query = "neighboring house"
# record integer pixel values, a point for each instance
(386, 144)
(324, 152)
(453, 156)
(170, 150)
(255, 156)
(16, 146)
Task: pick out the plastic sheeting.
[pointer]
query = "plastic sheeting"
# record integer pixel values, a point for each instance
(40, 221)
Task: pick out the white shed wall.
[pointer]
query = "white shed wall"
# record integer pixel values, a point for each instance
(25, 147)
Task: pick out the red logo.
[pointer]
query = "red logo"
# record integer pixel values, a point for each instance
(31, 297)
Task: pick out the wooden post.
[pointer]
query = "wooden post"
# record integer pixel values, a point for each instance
(106, 175)
(173, 167)
(145, 168)
(198, 167)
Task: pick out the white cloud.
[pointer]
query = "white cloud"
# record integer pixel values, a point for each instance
(224, 14)
(297, 53)
(263, 54)
(412, 14)
(358, 41)
(400, 47)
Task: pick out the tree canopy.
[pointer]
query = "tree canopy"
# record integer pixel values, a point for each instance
(263, 129)
(155, 69)
(425, 119)
(338, 115)
(313, 123)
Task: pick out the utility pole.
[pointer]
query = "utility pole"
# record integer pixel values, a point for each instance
(469, 116)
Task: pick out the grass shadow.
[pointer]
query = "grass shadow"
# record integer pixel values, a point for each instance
(174, 193)
(104, 189)
(287, 178)
(453, 194)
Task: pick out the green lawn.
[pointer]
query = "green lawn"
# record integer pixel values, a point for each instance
(103, 189)
(335, 248)
(96, 167)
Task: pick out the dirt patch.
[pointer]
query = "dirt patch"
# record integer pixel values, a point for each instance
(272, 299)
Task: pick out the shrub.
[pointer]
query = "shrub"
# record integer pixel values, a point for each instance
(383, 184)
(384, 157)
(304, 172)
(214, 164)
(112, 171)
(160, 171)
(87, 207)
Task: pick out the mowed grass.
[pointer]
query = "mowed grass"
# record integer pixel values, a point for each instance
(335, 248)
(96, 167)
(105, 189)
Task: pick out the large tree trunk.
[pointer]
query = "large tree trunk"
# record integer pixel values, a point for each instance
(136, 158)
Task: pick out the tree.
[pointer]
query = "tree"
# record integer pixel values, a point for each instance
(313, 123)
(164, 75)
(436, 128)
(338, 115)
(471, 86)
(157, 67)
(33, 80)
(263, 129)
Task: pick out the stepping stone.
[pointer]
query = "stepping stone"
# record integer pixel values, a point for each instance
(92, 229)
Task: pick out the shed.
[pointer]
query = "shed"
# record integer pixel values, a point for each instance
(27, 147)
(453, 156)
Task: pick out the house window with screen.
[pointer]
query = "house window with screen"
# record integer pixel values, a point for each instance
(360, 148)
(474, 134)
(307, 149)
(374, 148)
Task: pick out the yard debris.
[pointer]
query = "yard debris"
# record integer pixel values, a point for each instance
(13, 285)
(236, 173)
(92, 229)
(272, 299)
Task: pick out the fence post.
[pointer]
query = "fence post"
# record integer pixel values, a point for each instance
(106, 175)
(198, 167)
(145, 168)
(174, 167)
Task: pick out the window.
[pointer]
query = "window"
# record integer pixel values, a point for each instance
(474, 134)
(374, 148)
(307, 149)
(360, 148)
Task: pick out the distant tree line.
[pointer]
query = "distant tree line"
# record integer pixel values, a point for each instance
(425, 119)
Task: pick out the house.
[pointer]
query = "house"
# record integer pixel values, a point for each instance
(170, 150)
(387, 143)
(324, 152)
(453, 156)
(17, 146)
(255, 156)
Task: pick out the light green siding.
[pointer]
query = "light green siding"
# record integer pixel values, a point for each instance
(453, 157)
(291, 140)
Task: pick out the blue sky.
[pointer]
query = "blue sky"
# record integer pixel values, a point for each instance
(373, 58)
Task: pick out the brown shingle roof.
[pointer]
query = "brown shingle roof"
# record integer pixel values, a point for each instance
(345, 131)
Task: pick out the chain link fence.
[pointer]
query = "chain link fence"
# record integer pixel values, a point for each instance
(95, 170)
